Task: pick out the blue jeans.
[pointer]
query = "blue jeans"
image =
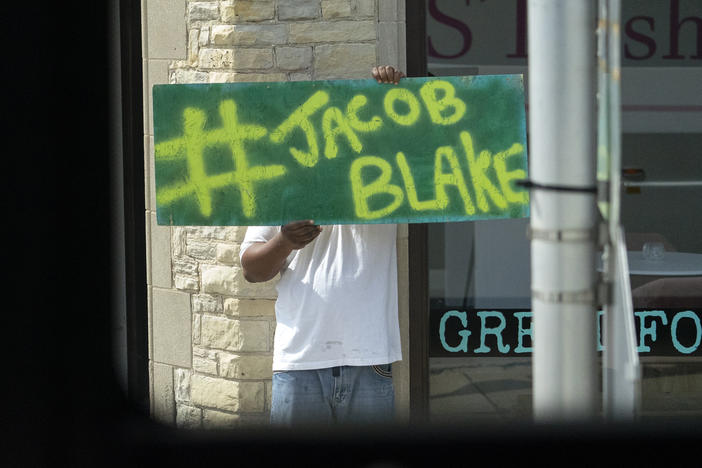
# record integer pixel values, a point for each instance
(344, 394)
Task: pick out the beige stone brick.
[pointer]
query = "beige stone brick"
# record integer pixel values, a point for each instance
(266, 290)
(269, 394)
(213, 392)
(333, 31)
(182, 379)
(255, 336)
(335, 9)
(205, 353)
(298, 9)
(247, 366)
(193, 45)
(203, 11)
(249, 35)
(230, 281)
(300, 76)
(222, 77)
(240, 58)
(219, 420)
(234, 335)
(200, 250)
(206, 304)
(253, 58)
(271, 334)
(247, 11)
(218, 279)
(219, 332)
(249, 307)
(236, 77)
(364, 8)
(212, 232)
(189, 76)
(339, 61)
(204, 37)
(238, 233)
(227, 253)
(186, 283)
(178, 241)
(222, 34)
(259, 77)
(205, 366)
(216, 58)
(226, 395)
(188, 417)
(293, 58)
(185, 266)
(252, 396)
(196, 328)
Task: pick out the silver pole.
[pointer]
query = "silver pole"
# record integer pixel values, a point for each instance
(562, 149)
(621, 374)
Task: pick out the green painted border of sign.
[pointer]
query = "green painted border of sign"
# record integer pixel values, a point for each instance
(436, 149)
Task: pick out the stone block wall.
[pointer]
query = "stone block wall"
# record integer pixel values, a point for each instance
(211, 332)
(233, 322)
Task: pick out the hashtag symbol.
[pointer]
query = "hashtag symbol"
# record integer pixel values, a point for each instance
(191, 146)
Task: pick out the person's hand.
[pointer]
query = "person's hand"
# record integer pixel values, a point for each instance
(387, 74)
(300, 233)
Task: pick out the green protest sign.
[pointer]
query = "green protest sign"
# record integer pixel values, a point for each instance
(340, 152)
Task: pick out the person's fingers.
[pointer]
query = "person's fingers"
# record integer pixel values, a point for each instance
(296, 225)
(299, 223)
(302, 240)
(383, 72)
(301, 232)
(311, 236)
(304, 234)
(387, 74)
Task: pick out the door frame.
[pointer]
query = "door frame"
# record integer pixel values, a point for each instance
(416, 46)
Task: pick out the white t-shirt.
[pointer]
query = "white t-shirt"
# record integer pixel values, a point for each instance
(337, 298)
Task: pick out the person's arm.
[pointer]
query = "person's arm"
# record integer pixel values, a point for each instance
(263, 260)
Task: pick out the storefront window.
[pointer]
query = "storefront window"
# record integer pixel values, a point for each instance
(662, 217)
(479, 364)
(479, 272)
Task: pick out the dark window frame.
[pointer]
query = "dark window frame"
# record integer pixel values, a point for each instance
(129, 118)
(416, 46)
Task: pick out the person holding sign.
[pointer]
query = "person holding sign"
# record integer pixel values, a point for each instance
(337, 330)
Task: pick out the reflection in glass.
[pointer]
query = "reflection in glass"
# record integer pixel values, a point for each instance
(479, 284)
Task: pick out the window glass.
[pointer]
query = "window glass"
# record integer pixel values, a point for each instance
(479, 281)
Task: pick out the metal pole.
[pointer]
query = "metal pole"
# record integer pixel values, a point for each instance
(621, 374)
(563, 223)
